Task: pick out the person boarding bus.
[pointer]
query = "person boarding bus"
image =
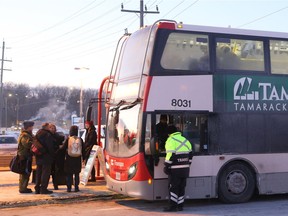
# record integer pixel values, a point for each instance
(177, 165)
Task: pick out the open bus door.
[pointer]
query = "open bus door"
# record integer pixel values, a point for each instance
(192, 125)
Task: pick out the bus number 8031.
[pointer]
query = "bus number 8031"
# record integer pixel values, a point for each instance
(180, 103)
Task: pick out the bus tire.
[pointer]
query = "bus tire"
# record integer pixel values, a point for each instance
(236, 183)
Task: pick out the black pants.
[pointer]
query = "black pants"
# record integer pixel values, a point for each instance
(53, 174)
(42, 177)
(69, 180)
(176, 190)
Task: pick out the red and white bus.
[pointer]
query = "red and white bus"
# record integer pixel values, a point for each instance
(225, 89)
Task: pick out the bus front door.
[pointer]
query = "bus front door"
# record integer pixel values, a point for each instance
(193, 127)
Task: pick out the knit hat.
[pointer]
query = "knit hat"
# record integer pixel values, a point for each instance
(27, 124)
(90, 123)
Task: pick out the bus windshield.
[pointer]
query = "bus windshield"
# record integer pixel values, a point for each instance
(122, 131)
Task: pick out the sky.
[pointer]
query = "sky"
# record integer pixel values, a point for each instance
(47, 39)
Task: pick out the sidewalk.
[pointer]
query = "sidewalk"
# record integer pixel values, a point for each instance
(10, 196)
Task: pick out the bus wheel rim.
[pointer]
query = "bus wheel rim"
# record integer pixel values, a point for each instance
(236, 182)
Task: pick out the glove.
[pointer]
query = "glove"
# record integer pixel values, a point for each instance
(167, 170)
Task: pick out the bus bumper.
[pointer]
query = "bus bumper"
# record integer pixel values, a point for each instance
(137, 189)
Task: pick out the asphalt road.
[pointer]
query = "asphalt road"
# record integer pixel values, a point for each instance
(264, 205)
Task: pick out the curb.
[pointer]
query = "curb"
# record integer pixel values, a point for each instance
(61, 200)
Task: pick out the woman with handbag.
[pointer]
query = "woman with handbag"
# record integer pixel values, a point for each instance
(25, 156)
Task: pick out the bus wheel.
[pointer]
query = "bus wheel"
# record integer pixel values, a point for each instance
(236, 183)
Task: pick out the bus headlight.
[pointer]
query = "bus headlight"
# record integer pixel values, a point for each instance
(107, 167)
(132, 171)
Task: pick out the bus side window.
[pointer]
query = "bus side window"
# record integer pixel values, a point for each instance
(226, 59)
(279, 56)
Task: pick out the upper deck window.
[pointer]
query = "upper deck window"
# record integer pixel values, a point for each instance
(235, 54)
(133, 57)
(279, 56)
(186, 52)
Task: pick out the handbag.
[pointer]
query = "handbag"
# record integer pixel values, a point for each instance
(37, 148)
(17, 166)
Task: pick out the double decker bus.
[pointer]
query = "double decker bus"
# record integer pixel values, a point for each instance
(225, 89)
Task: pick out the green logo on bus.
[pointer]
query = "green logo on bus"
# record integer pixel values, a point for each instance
(252, 93)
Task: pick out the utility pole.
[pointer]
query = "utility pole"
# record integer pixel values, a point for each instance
(141, 12)
(1, 82)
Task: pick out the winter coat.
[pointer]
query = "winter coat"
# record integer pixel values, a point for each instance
(24, 145)
(58, 140)
(45, 137)
(58, 166)
(72, 165)
(90, 140)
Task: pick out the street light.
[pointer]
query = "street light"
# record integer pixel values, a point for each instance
(81, 95)
(16, 109)
(6, 110)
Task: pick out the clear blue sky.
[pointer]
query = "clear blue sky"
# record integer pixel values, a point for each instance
(47, 39)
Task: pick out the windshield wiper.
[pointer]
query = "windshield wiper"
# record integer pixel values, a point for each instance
(134, 103)
(121, 103)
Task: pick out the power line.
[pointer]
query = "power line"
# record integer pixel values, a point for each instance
(81, 54)
(151, 5)
(82, 41)
(186, 8)
(78, 42)
(173, 9)
(71, 17)
(284, 8)
(77, 55)
(96, 49)
(48, 43)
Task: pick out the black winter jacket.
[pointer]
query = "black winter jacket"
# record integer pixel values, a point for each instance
(90, 140)
(45, 137)
(72, 165)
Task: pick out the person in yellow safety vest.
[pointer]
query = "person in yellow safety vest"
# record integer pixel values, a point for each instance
(177, 165)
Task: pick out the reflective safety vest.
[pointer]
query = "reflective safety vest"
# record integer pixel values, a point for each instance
(178, 154)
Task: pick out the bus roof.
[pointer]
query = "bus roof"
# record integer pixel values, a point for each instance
(232, 31)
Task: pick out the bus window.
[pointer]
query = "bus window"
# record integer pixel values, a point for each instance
(194, 128)
(148, 135)
(235, 54)
(186, 52)
(279, 56)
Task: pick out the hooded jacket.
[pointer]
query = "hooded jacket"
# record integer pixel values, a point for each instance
(90, 140)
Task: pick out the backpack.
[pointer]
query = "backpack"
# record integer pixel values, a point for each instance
(74, 146)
